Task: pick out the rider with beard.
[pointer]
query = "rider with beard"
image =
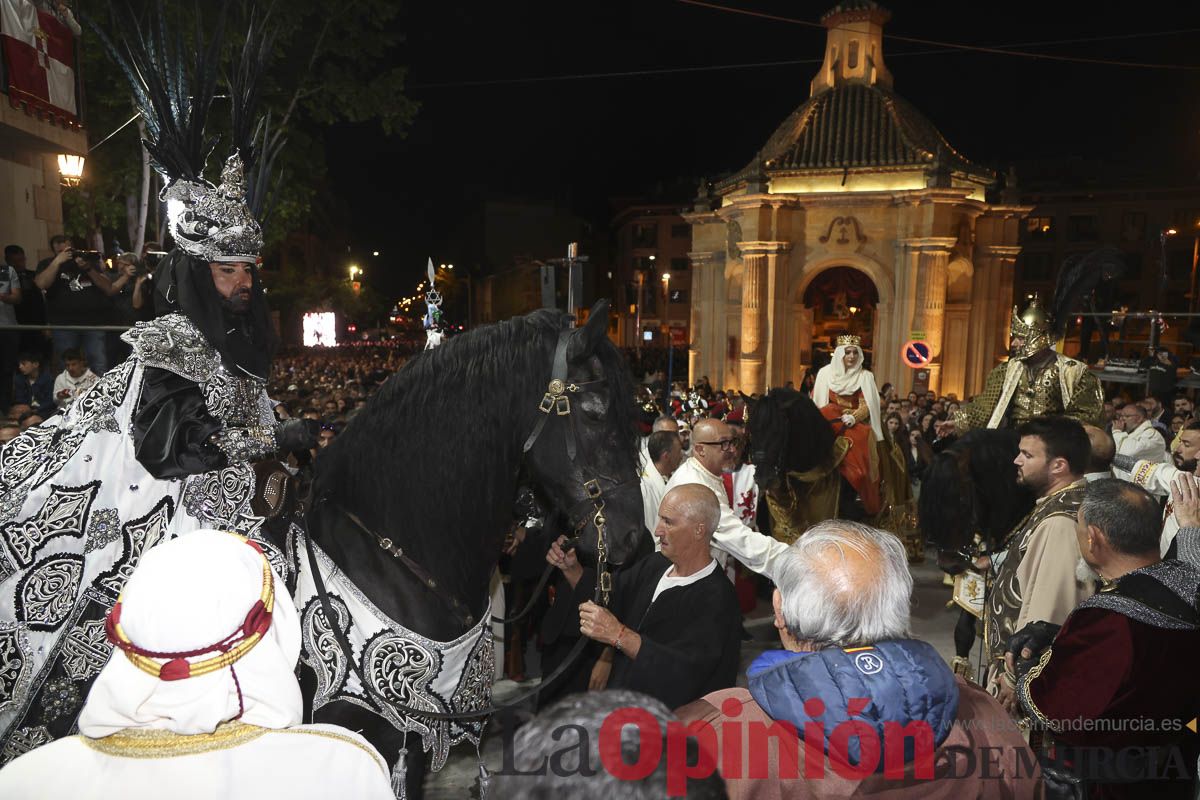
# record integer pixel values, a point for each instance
(1158, 478)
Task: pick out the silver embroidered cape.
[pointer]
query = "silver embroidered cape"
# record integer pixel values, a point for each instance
(77, 510)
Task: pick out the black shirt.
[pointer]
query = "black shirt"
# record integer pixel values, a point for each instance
(73, 299)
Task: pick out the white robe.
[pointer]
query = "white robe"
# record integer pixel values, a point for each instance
(654, 488)
(1143, 443)
(306, 761)
(732, 538)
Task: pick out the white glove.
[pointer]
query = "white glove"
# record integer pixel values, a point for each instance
(848, 420)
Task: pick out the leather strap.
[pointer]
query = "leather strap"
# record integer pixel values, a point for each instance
(555, 400)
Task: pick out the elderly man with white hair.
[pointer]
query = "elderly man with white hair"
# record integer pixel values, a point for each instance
(199, 698)
(849, 666)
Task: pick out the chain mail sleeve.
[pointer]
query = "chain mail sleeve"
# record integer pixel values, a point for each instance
(174, 434)
(1188, 542)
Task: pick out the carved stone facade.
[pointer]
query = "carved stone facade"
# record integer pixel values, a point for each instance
(856, 178)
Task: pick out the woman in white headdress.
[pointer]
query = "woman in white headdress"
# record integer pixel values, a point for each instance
(848, 397)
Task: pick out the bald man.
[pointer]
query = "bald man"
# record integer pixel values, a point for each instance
(675, 628)
(715, 452)
(1103, 450)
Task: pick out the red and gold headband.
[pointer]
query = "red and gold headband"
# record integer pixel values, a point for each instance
(230, 649)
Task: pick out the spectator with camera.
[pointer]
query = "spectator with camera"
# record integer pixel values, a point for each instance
(78, 293)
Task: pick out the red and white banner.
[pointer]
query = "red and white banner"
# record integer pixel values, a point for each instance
(39, 54)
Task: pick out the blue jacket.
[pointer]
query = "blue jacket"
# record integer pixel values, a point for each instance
(38, 393)
(902, 681)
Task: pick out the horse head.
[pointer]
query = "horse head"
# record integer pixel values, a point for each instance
(787, 434)
(582, 450)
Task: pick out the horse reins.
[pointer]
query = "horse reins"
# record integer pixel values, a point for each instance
(557, 400)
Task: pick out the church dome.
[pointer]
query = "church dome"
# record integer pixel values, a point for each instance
(853, 121)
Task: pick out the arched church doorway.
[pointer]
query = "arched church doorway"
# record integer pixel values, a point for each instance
(841, 300)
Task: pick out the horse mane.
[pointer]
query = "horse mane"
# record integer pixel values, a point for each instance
(810, 436)
(972, 487)
(445, 418)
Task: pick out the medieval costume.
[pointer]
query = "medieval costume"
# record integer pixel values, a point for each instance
(201, 695)
(1035, 579)
(160, 446)
(1127, 656)
(732, 537)
(849, 399)
(691, 631)
(907, 684)
(1155, 478)
(1035, 381)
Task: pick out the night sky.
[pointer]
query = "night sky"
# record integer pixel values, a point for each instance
(577, 143)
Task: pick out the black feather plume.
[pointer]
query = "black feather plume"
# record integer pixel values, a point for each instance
(173, 84)
(245, 87)
(1080, 275)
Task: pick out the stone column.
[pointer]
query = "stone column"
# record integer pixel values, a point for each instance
(752, 366)
(929, 316)
(764, 298)
(707, 306)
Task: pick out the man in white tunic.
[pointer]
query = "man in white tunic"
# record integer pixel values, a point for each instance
(1157, 478)
(200, 698)
(665, 453)
(714, 452)
(1137, 437)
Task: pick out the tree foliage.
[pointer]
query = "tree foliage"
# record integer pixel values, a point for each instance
(330, 63)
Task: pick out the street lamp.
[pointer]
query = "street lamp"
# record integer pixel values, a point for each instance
(70, 169)
(1161, 289)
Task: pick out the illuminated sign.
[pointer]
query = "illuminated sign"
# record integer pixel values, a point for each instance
(320, 329)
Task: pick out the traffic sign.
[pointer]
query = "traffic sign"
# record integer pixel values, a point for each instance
(915, 354)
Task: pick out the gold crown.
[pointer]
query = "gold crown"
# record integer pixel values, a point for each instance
(849, 340)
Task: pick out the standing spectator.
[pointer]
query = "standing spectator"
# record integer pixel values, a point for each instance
(10, 341)
(1162, 370)
(33, 388)
(1136, 437)
(1157, 415)
(123, 275)
(32, 308)
(77, 293)
(918, 457)
(74, 380)
(665, 451)
(1183, 406)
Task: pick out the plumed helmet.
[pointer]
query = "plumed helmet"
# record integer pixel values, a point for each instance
(1033, 327)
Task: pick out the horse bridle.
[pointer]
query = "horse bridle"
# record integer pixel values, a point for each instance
(555, 399)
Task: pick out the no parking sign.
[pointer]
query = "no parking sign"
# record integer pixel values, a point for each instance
(915, 354)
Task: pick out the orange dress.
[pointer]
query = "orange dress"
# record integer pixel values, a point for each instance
(860, 467)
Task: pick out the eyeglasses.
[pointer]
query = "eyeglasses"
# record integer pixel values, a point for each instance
(724, 444)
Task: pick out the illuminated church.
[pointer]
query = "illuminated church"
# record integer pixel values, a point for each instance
(855, 216)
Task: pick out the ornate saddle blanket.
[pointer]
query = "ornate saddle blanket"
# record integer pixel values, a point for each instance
(403, 666)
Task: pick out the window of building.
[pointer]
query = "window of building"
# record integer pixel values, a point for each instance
(643, 262)
(1037, 266)
(1133, 226)
(1083, 228)
(1185, 219)
(679, 295)
(1039, 229)
(649, 298)
(1133, 266)
(852, 58)
(679, 264)
(1179, 265)
(681, 231)
(645, 234)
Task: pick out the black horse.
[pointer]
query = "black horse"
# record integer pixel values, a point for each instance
(796, 454)
(433, 463)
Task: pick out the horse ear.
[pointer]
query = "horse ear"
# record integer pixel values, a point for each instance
(585, 340)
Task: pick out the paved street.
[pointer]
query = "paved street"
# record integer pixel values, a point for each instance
(931, 621)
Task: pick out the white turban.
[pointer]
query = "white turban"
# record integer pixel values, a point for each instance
(836, 378)
(186, 594)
